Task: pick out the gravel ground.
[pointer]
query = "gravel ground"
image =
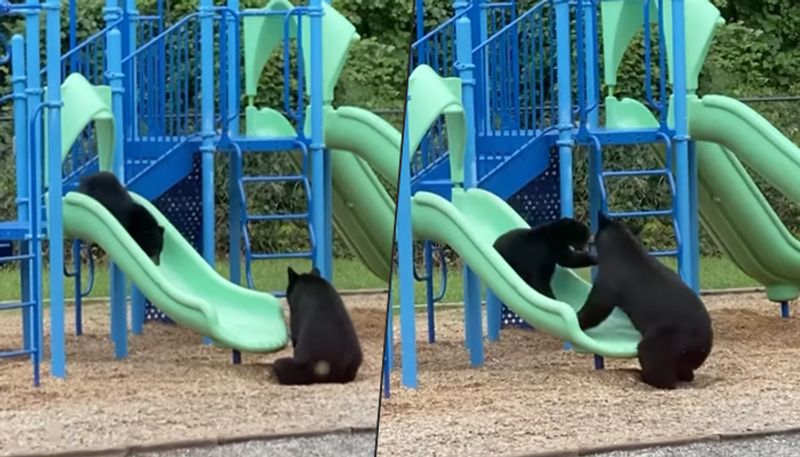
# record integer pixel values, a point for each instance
(531, 396)
(172, 388)
(334, 445)
(775, 446)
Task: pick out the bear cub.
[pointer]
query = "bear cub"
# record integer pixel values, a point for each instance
(534, 252)
(675, 325)
(140, 224)
(326, 347)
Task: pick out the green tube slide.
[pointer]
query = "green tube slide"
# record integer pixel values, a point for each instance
(733, 209)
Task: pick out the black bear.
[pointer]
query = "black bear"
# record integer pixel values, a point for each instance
(534, 252)
(326, 347)
(675, 325)
(140, 224)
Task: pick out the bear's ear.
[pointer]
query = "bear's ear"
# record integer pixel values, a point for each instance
(160, 229)
(292, 275)
(315, 272)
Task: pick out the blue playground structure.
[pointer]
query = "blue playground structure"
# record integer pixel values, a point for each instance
(501, 96)
(157, 103)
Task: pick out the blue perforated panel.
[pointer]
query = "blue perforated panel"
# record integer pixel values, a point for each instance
(183, 206)
(538, 202)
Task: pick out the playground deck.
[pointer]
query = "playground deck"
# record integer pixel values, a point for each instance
(531, 396)
(172, 388)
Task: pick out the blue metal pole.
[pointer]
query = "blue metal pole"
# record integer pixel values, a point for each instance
(119, 311)
(431, 312)
(564, 142)
(694, 217)
(592, 121)
(317, 149)
(55, 227)
(78, 303)
(388, 349)
(18, 81)
(208, 133)
(130, 93)
(34, 92)
(234, 218)
(207, 147)
(472, 286)
(493, 314)
(327, 218)
(681, 140)
(405, 260)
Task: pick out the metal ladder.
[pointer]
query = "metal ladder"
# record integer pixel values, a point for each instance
(247, 218)
(666, 172)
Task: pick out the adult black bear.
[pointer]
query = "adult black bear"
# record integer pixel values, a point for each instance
(140, 224)
(534, 252)
(326, 347)
(675, 325)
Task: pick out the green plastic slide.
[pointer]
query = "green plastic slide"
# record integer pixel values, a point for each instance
(184, 286)
(471, 224)
(733, 209)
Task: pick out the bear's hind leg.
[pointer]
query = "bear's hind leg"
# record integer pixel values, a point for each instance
(658, 362)
(289, 372)
(684, 373)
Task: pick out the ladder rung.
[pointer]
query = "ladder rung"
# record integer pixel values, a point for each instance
(650, 213)
(287, 255)
(276, 217)
(269, 179)
(667, 253)
(653, 172)
(21, 352)
(15, 305)
(14, 258)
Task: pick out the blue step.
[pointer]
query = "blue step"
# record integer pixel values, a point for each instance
(621, 136)
(284, 255)
(19, 353)
(631, 173)
(276, 217)
(15, 305)
(14, 230)
(641, 214)
(272, 179)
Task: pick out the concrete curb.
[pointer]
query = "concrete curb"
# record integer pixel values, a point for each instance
(635, 446)
(135, 449)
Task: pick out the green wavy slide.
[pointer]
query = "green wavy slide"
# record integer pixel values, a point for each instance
(733, 209)
(184, 286)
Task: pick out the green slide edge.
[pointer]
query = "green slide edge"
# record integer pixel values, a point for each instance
(184, 286)
(732, 208)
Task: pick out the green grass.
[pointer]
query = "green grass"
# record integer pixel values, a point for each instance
(715, 273)
(267, 276)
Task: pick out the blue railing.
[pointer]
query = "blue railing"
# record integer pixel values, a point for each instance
(517, 78)
(166, 104)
